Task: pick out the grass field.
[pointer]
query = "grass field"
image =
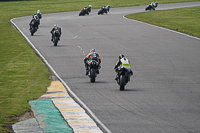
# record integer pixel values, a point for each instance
(185, 20)
(23, 76)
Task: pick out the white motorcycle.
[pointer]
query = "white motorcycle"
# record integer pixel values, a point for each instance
(151, 6)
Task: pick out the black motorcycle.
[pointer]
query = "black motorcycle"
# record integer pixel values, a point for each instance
(86, 10)
(104, 9)
(124, 78)
(33, 28)
(93, 68)
(151, 6)
(56, 37)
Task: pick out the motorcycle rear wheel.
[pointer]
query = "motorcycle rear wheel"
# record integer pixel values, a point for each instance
(32, 31)
(55, 41)
(92, 75)
(122, 82)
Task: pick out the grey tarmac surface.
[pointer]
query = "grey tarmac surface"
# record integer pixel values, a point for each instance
(27, 126)
(164, 92)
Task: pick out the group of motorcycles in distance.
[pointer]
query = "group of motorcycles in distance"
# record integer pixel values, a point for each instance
(87, 10)
(34, 26)
(105, 9)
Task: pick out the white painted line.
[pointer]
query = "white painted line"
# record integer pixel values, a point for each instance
(79, 47)
(75, 37)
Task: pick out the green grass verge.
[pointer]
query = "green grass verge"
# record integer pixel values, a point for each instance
(185, 20)
(23, 75)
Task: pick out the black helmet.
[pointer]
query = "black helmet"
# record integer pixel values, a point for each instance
(121, 56)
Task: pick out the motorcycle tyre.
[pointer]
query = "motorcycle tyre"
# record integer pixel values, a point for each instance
(56, 41)
(32, 31)
(147, 8)
(122, 82)
(81, 13)
(100, 12)
(92, 75)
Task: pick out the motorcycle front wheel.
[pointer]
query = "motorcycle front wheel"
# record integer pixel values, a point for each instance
(100, 12)
(81, 13)
(147, 8)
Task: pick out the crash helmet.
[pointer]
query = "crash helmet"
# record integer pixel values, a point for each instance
(121, 56)
(90, 5)
(38, 11)
(55, 25)
(108, 5)
(92, 50)
(156, 2)
(36, 17)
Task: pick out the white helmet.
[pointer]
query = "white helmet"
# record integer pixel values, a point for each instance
(90, 5)
(35, 17)
(55, 25)
(38, 11)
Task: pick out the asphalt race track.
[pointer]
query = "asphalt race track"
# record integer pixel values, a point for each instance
(163, 95)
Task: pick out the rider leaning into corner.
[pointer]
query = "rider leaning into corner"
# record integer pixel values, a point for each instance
(36, 22)
(93, 55)
(38, 13)
(154, 5)
(122, 63)
(89, 8)
(55, 27)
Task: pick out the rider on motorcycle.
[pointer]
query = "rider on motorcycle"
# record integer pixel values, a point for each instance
(93, 55)
(38, 13)
(154, 5)
(35, 21)
(107, 8)
(122, 63)
(87, 9)
(52, 31)
(104, 9)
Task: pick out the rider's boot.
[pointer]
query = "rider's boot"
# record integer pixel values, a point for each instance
(97, 71)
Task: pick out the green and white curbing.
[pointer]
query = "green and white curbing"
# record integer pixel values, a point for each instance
(49, 117)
